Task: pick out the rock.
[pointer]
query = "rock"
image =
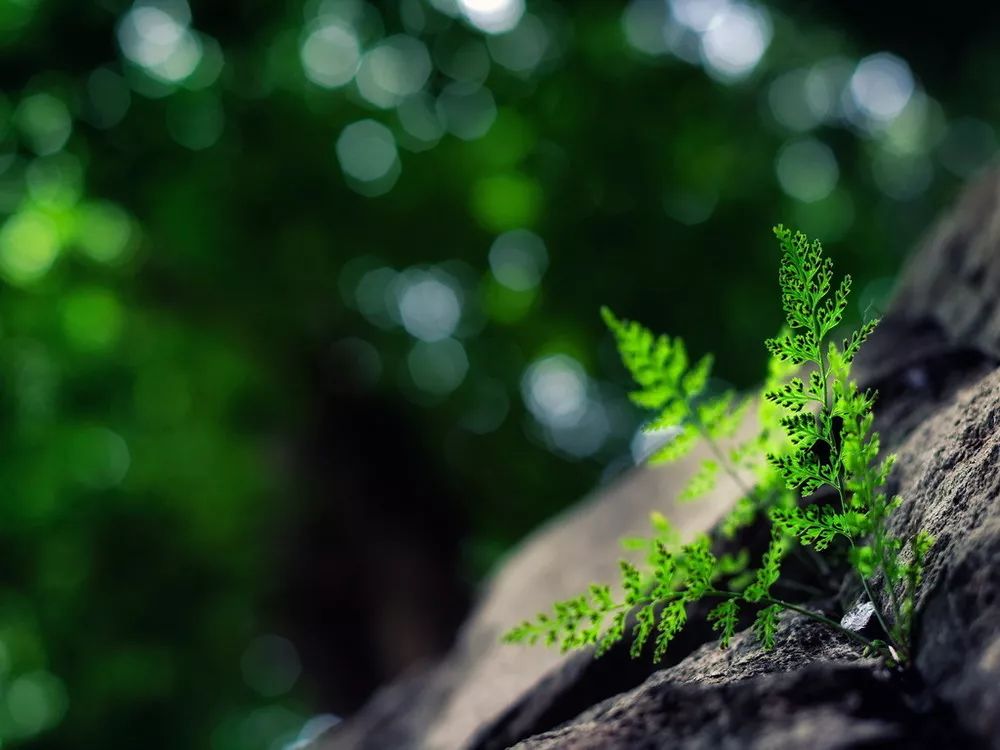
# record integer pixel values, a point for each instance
(948, 476)
(934, 361)
(823, 706)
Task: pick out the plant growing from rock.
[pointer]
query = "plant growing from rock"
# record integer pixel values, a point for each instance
(815, 432)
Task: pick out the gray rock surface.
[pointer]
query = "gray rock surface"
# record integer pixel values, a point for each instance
(934, 361)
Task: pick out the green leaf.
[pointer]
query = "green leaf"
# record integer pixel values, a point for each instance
(702, 482)
(766, 626)
(676, 447)
(672, 619)
(644, 622)
(723, 619)
(816, 527)
(694, 380)
(769, 570)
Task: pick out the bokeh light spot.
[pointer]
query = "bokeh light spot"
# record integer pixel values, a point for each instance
(55, 182)
(372, 295)
(506, 201)
(555, 390)
(492, 16)
(429, 305)
(398, 67)
(103, 231)
(418, 116)
(367, 151)
(518, 259)
(92, 319)
(196, 121)
(438, 367)
(523, 48)
(34, 702)
(558, 394)
(15, 15)
(788, 100)
(735, 41)
(108, 98)
(698, 15)
(330, 56)
(643, 23)
(98, 458)
(271, 665)
(807, 170)
(881, 86)
(156, 37)
(467, 110)
(29, 244)
(45, 122)
(468, 62)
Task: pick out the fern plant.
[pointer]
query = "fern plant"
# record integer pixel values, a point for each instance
(815, 431)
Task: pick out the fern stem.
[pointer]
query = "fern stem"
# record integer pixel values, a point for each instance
(841, 485)
(800, 610)
(820, 618)
(723, 459)
(878, 610)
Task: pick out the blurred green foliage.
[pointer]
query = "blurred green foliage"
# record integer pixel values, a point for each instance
(198, 202)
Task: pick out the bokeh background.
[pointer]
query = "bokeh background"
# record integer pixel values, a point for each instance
(298, 305)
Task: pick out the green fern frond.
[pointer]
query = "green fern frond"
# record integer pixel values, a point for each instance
(703, 481)
(668, 385)
(765, 626)
(815, 527)
(724, 618)
(815, 430)
(676, 447)
(672, 619)
(769, 571)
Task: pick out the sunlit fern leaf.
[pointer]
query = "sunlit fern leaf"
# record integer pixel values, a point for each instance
(699, 566)
(656, 363)
(645, 621)
(677, 446)
(818, 528)
(853, 344)
(768, 572)
(765, 625)
(614, 633)
(724, 618)
(741, 516)
(802, 471)
(668, 386)
(728, 422)
(672, 619)
(831, 312)
(702, 482)
(668, 417)
(794, 348)
(631, 582)
(694, 380)
(719, 417)
(791, 396)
